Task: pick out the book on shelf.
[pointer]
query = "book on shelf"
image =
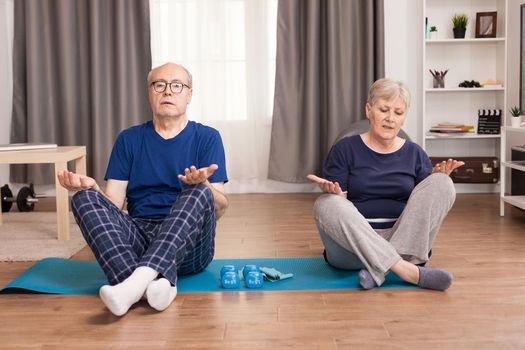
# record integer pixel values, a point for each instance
(449, 128)
(26, 146)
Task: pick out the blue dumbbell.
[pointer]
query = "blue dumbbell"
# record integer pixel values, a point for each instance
(254, 279)
(230, 280)
(249, 268)
(228, 268)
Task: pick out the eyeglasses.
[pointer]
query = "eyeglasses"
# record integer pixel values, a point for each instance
(176, 88)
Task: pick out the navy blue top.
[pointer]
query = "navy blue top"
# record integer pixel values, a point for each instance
(151, 164)
(378, 184)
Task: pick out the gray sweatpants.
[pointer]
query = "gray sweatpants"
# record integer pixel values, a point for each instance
(351, 243)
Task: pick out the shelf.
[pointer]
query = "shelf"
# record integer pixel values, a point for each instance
(467, 40)
(465, 59)
(462, 136)
(517, 201)
(510, 128)
(519, 165)
(458, 89)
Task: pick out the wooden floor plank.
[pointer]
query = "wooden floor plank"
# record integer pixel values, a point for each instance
(484, 308)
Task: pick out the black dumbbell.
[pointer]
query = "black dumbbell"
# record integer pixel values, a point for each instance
(25, 200)
(7, 198)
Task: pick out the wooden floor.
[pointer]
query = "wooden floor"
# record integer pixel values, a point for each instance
(484, 308)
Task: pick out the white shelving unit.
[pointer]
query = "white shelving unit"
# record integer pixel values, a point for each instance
(507, 164)
(471, 58)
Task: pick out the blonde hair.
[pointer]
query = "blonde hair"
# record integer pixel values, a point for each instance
(388, 89)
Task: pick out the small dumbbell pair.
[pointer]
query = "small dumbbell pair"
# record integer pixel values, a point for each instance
(253, 277)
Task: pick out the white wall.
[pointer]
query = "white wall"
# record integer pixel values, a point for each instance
(513, 53)
(6, 82)
(513, 69)
(403, 40)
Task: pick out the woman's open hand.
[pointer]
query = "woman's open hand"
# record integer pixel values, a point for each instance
(326, 186)
(447, 166)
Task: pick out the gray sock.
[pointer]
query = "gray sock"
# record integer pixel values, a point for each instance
(436, 279)
(365, 279)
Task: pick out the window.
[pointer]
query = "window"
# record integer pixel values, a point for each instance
(228, 46)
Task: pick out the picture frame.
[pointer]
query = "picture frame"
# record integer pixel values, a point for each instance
(486, 24)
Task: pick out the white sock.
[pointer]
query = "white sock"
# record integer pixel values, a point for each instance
(119, 298)
(160, 294)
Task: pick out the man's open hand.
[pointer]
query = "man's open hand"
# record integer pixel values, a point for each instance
(75, 182)
(193, 176)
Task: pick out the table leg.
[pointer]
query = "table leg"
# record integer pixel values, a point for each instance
(80, 165)
(62, 205)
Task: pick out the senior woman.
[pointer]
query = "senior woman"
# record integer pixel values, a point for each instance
(384, 202)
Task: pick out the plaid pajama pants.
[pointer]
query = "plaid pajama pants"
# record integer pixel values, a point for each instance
(181, 243)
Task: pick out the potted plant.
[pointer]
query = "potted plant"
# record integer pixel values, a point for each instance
(460, 25)
(515, 119)
(432, 34)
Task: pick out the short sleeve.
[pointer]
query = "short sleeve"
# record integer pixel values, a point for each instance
(213, 153)
(423, 166)
(119, 166)
(336, 165)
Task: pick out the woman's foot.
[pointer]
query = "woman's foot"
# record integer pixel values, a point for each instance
(425, 277)
(365, 279)
(436, 279)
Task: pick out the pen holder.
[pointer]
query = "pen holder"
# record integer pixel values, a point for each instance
(439, 82)
(439, 78)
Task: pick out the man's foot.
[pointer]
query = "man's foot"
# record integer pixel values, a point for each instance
(365, 279)
(119, 298)
(432, 278)
(160, 294)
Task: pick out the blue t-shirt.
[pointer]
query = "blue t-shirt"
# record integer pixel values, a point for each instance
(378, 184)
(151, 164)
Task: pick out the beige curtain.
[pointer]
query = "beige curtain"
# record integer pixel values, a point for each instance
(79, 76)
(328, 54)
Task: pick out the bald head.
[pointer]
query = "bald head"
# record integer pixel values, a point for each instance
(171, 66)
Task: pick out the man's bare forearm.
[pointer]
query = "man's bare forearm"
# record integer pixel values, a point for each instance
(220, 200)
(118, 204)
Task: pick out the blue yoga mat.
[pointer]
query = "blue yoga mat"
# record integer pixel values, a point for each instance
(63, 276)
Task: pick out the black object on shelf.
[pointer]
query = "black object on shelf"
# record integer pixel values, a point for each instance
(470, 84)
(489, 121)
(517, 177)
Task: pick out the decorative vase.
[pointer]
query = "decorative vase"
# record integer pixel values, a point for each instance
(515, 122)
(459, 33)
(432, 35)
